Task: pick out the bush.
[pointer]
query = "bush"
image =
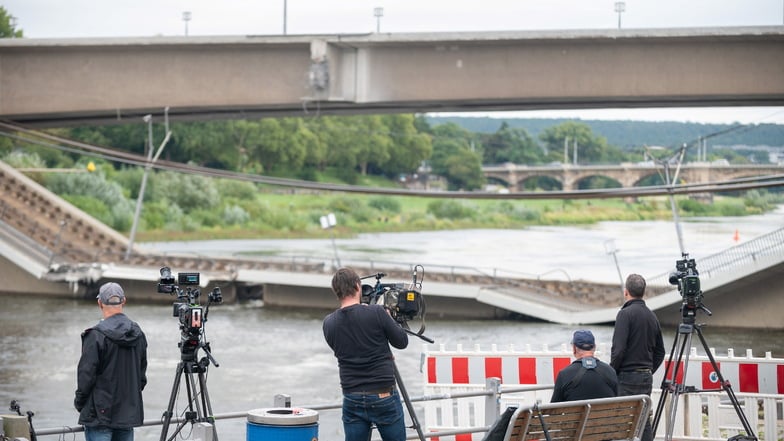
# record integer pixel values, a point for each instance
(346, 204)
(692, 206)
(240, 190)
(235, 215)
(95, 186)
(385, 203)
(733, 209)
(189, 192)
(448, 209)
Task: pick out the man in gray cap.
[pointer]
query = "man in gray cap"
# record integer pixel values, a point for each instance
(587, 377)
(112, 372)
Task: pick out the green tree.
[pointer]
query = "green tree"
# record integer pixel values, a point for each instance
(590, 148)
(510, 145)
(8, 29)
(372, 146)
(408, 148)
(455, 159)
(209, 144)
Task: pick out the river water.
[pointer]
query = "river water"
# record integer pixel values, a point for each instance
(647, 247)
(263, 351)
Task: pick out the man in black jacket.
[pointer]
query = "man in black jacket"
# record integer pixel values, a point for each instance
(112, 372)
(587, 377)
(637, 345)
(360, 336)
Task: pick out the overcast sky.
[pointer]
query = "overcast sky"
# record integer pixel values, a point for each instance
(126, 18)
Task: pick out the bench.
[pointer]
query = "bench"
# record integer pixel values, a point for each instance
(617, 418)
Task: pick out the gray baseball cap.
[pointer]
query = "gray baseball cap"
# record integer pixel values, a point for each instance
(111, 293)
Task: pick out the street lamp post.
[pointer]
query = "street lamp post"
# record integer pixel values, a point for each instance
(378, 13)
(285, 11)
(13, 21)
(186, 17)
(620, 8)
(328, 222)
(609, 247)
(140, 197)
(150, 161)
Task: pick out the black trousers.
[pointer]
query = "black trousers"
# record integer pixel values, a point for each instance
(637, 383)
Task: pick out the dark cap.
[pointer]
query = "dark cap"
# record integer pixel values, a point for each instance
(583, 339)
(111, 294)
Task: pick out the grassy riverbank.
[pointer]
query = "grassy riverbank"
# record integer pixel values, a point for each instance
(289, 215)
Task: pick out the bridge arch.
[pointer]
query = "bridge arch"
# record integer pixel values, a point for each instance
(596, 181)
(540, 181)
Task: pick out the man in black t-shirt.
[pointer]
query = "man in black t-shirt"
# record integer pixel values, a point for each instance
(360, 336)
(586, 378)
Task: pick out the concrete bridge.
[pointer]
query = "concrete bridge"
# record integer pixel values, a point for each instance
(513, 176)
(50, 248)
(57, 82)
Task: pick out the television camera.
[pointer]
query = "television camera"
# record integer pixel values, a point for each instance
(687, 278)
(403, 301)
(191, 314)
(192, 317)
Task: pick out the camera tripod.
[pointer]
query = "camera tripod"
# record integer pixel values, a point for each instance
(404, 394)
(670, 385)
(199, 406)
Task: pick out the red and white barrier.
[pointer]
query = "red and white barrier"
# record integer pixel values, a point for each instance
(749, 374)
(451, 371)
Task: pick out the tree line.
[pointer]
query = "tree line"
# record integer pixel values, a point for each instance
(348, 148)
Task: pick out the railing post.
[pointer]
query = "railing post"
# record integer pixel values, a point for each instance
(492, 401)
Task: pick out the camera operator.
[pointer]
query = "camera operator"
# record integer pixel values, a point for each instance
(112, 372)
(637, 344)
(587, 377)
(360, 336)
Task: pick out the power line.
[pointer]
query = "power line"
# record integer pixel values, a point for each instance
(133, 159)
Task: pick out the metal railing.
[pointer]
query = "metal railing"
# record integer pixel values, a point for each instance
(493, 391)
(732, 258)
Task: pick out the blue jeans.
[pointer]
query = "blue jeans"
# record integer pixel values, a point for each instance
(360, 411)
(103, 433)
(637, 383)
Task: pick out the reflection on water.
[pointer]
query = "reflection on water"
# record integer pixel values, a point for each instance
(261, 352)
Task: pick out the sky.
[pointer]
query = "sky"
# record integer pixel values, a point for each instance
(144, 18)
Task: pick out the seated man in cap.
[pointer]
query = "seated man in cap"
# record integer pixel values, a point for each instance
(586, 378)
(112, 372)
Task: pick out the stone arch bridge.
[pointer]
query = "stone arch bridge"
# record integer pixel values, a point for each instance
(513, 176)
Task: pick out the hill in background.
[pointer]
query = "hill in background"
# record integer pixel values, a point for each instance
(629, 134)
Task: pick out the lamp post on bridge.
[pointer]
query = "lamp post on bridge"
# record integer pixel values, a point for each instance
(186, 17)
(378, 13)
(620, 8)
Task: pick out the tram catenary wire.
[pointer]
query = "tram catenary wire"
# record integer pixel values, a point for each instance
(769, 181)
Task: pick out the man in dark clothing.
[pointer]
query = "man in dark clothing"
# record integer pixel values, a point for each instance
(637, 345)
(112, 372)
(360, 336)
(586, 378)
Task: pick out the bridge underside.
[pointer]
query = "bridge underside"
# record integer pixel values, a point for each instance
(97, 81)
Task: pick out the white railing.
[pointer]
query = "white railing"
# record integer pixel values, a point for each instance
(757, 382)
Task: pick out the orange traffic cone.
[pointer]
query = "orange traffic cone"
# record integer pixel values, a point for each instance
(737, 236)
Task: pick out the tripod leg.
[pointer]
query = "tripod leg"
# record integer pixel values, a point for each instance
(665, 386)
(167, 416)
(409, 406)
(727, 387)
(206, 404)
(678, 387)
(672, 387)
